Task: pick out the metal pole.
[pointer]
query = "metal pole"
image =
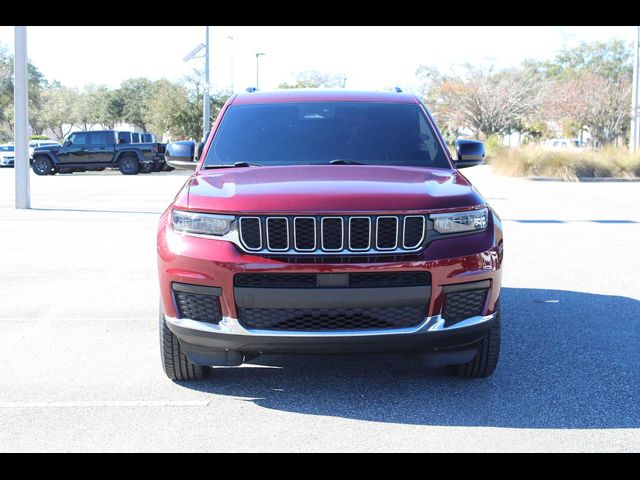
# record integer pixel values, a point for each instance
(21, 99)
(258, 55)
(231, 39)
(206, 109)
(257, 71)
(635, 124)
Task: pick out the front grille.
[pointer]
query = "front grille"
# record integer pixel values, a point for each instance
(461, 305)
(362, 235)
(330, 319)
(204, 308)
(311, 280)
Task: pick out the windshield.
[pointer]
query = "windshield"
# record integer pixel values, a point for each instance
(317, 133)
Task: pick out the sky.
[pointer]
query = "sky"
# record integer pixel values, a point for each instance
(371, 57)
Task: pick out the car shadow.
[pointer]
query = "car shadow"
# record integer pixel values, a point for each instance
(568, 360)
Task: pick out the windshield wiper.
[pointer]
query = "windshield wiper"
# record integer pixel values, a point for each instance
(235, 165)
(342, 161)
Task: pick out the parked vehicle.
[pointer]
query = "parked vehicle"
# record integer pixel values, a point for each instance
(95, 150)
(329, 222)
(7, 155)
(564, 144)
(159, 164)
(33, 144)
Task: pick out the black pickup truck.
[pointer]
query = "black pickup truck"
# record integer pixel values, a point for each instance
(97, 150)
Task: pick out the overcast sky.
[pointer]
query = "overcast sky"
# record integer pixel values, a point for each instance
(371, 57)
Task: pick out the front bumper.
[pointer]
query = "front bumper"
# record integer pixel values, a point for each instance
(466, 260)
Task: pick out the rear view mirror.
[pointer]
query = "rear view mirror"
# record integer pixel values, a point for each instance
(181, 154)
(470, 153)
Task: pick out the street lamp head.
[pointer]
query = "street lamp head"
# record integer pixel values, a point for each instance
(193, 52)
(259, 54)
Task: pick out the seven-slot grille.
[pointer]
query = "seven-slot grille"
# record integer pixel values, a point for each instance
(333, 234)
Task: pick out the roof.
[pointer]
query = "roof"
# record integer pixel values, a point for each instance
(322, 95)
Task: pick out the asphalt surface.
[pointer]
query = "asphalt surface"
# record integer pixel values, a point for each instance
(81, 368)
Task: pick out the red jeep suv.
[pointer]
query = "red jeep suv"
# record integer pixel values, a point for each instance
(322, 221)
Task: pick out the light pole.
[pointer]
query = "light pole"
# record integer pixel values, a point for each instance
(231, 40)
(21, 106)
(206, 107)
(258, 55)
(635, 121)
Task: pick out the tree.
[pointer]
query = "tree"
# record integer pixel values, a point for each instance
(590, 86)
(601, 104)
(315, 79)
(36, 84)
(611, 60)
(176, 108)
(93, 107)
(487, 102)
(58, 110)
(136, 94)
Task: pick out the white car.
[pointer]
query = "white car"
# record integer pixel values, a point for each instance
(564, 144)
(40, 143)
(7, 155)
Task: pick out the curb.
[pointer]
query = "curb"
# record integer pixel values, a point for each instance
(582, 179)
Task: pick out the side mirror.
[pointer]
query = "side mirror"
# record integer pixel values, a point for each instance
(181, 154)
(470, 153)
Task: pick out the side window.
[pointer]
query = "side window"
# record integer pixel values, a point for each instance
(79, 139)
(98, 138)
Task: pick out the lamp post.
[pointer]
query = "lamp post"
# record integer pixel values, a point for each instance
(21, 106)
(231, 40)
(206, 107)
(258, 55)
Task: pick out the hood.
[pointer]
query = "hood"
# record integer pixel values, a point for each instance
(328, 188)
(48, 148)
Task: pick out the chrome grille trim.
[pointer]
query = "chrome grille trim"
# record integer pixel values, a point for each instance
(395, 245)
(399, 247)
(404, 229)
(315, 234)
(244, 245)
(286, 222)
(341, 234)
(368, 243)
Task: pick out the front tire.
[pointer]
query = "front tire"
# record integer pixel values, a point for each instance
(486, 360)
(129, 165)
(175, 363)
(42, 166)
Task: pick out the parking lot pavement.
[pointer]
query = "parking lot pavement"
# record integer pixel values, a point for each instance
(81, 368)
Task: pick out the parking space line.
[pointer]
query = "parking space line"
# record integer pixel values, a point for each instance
(107, 403)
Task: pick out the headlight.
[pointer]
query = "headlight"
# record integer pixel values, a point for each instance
(202, 223)
(460, 222)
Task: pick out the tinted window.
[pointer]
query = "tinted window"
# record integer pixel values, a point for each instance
(79, 138)
(98, 138)
(124, 137)
(136, 137)
(316, 133)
